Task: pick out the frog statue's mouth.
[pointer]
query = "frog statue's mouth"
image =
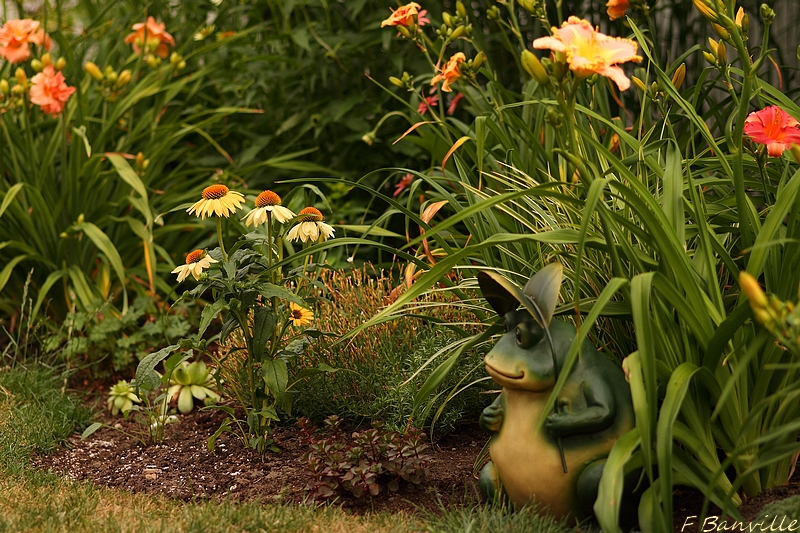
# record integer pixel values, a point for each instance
(504, 379)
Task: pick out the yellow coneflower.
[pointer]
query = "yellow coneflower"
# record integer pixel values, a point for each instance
(268, 202)
(310, 227)
(217, 200)
(300, 316)
(196, 262)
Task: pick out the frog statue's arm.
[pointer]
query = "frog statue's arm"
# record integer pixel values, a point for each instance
(599, 413)
(492, 417)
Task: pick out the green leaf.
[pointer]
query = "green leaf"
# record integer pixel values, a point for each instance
(91, 429)
(544, 287)
(127, 174)
(609, 493)
(6, 272)
(276, 375)
(104, 244)
(209, 313)
(146, 375)
(81, 132)
(264, 322)
(672, 202)
(366, 230)
(9, 196)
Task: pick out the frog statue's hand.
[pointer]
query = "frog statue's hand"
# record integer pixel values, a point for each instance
(492, 417)
(599, 413)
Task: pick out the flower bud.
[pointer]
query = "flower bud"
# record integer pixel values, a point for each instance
(109, 69)
(795, 148)
(112, 77)
(369, 138)
(741, 19)
(713, 45)
(139, 160)
(639, 84)
(478, 61)
(705, 10)
(174, 58)
(710, 58)
(155, 62)
(396, 81)
(722, 53)
(767, 14)
(447, 19)
(22, 78)
(528, 5)
(93, 71)
(680, 74)
(80, 218)
(4, 88)
(404, 32)
(37, 65)
(123, 79)
(654, 87)
(722, 32)
(47, 60)
(181, 65)
(534, 67)
(493, 13)
(554, 118)
(61, 63)
(753, 290)
(458, 32)
(18, 90)
(460, 9)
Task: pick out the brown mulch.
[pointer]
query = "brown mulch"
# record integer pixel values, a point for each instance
(183, 467)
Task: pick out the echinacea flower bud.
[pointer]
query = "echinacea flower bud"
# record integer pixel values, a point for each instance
(460, 9)
(123, 79)
(61, 63)
(93, 71)
(534, 67)
(37, 65)
(22, 78)
(678, 77)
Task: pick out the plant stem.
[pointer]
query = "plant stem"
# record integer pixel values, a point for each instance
(219, 238)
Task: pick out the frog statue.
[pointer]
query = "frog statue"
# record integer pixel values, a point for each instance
(556, 464)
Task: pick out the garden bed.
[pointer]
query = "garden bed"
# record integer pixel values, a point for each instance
(183, 468)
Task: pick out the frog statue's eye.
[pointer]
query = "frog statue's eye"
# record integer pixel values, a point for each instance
(528, 334)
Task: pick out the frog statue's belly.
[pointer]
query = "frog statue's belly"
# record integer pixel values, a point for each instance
(529, 462)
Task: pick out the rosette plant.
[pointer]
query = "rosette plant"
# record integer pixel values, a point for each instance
(190, 381)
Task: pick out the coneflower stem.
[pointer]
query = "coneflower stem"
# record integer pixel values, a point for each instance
(219, 237)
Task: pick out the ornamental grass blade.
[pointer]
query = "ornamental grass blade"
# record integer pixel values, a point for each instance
(544, 287)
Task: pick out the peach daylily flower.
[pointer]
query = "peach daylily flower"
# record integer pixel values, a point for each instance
(450, 73)
(774, 127)
(152, 36)
(402, 16)
(617, 8)
(50, 91)
(16, 36)
(591, 52)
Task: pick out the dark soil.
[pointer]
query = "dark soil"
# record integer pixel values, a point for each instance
(183, 467)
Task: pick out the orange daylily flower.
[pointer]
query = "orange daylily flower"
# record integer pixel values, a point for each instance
(774, 127)
(50, 91)
(152, 36)
(591, 52)
(617, 8)
(16, 36)
(450, 73)
(402, 16)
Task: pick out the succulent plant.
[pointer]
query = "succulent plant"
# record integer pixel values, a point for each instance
(121, 398)
(189, 381)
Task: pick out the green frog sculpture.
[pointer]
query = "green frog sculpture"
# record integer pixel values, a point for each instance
(557, 464)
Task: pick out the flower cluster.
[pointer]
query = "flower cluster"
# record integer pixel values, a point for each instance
(152, 37)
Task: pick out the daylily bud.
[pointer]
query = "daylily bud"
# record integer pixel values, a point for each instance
(713, 45)
(93, 71)
(61, 63)
(460, 9)
(447, 19)
(722, 32)
(112, 77)
(47, 60)
(705, 10)
(654, 87)
(369, 138)
(174, 58)
(37, 65)
(710, 58)
(740, 18)
(139, 160)
(478, 61)
(145, 164)
(404, 32)
(22, 78)
(528, 5)
(493, 13)
(4, 88)
(396, 81)
(80, 218)
(680, 74)
(795, 148)
(155, 62)
(639, 84)
(124, 79)
(181, 65)
(722, 53)
(767, 14)
(554, 118)
(458, 32)
(109, 69)
(534, 67)
(753, 290)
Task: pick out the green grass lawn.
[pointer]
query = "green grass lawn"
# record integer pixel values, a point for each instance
(36, 414)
